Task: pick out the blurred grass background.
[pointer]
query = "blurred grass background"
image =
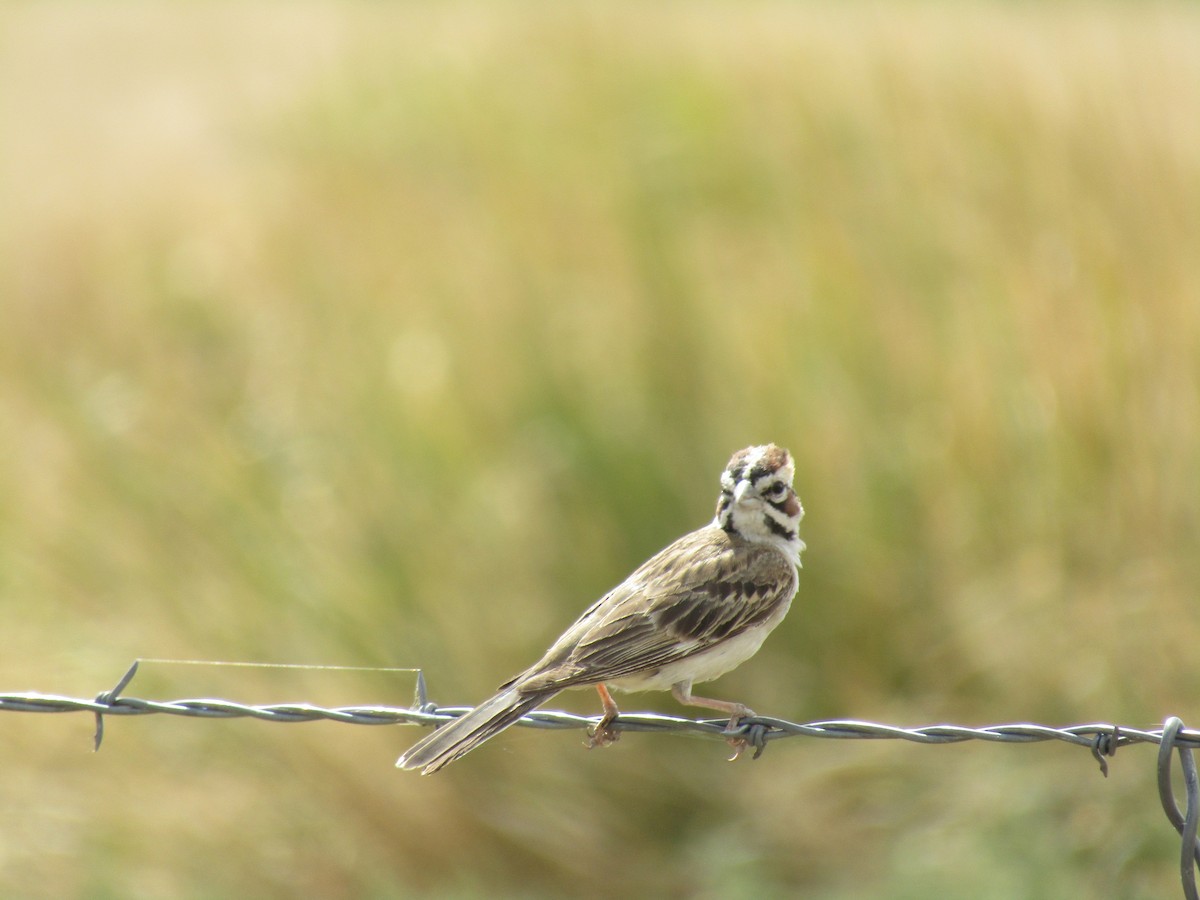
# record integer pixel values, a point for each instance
(393, 335)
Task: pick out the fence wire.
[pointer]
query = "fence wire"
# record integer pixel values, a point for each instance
(1102, 739)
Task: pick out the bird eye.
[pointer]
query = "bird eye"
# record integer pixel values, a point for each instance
(778, 489)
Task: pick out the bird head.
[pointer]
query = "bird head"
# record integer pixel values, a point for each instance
(757, 501)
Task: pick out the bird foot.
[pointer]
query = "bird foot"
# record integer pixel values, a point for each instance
(602, 735)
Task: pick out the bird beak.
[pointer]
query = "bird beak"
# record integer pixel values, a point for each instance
(740, 491)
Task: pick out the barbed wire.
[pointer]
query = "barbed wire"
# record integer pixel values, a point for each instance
(1102, 739)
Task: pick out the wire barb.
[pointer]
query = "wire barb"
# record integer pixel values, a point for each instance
(107, 698)
(1106, 745)
(421, 702)
(758, 739)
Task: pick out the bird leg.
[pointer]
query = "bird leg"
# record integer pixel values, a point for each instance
(602, 734)
(682, 692)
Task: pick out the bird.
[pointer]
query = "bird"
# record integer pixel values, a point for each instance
(689, 614)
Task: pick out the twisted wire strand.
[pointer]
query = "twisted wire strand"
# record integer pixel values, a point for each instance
(1102, 739)
(431, 714)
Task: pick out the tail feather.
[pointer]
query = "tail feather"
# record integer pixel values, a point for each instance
(464, 734)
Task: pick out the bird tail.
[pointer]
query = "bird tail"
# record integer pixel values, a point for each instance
(464, 734)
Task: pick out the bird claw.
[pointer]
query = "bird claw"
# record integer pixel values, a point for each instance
(755, 736)
(602, 735)
(738, 745)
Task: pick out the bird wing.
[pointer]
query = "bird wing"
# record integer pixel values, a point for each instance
(705, 588)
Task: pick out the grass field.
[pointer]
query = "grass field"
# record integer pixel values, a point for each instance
(393, 335)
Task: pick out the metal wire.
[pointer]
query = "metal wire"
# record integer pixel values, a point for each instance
(1091, 735)
(1185, 823)
(1102, 739)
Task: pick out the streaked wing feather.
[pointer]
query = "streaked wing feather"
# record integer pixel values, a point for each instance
(663, 614)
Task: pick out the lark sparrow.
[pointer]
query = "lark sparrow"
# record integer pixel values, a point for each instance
(689, 614)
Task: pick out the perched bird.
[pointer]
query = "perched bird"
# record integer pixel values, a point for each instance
(689, 614)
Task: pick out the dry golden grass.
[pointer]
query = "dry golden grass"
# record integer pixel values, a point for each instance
(394, 335)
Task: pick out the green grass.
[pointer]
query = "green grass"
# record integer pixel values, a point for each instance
(395, 335)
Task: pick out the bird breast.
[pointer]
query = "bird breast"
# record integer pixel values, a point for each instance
(722, 657)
